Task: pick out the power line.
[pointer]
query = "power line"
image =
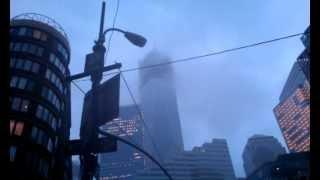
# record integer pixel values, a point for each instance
(140, 114)
(138, 148)
(77, 86)
(113, 24)
(134, 144)
(204, 55)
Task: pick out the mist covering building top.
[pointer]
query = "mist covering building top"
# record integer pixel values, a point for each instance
(159, 107)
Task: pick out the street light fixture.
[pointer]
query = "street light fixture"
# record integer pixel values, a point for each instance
(134, 38)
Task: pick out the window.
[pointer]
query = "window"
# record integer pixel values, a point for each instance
(13, 82)
(22, 83)
(57, 62)
(43, 37)
(25, 47)
(30, 86)
(22, 31)
(40, 51)
(16, 103)
(39, 111)
(16, 128)
(13, 150)
(35, 67)
(27, 65)
(16, 46)
(12, 62)
(34, 133)
(36, 34)
(32, 49)
(19, 64)
(50, 147)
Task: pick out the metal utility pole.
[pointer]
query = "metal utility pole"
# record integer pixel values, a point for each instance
(101, 103)
(89, 160)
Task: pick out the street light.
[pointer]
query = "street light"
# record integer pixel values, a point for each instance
(134, 38)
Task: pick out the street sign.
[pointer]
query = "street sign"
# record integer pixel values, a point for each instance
(93, 62)
(103, 145)
(107, 105)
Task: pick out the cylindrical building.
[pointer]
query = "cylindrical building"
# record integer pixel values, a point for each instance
(39, 98)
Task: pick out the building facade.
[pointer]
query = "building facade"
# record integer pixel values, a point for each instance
(210, 161)
(126, 161)
(293, 111)
(289, 166)
(304, 58)
(259, 150)
(39, 98)
(159, 108)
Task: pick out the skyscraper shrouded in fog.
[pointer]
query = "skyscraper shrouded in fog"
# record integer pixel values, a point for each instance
(126, 161)
(260, 149)
(159, 107)
(39, 98)
(293, 111)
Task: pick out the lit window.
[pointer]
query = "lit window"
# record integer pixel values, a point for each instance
(13, 150)
(36, 34)
(19, 128)
(12, 123)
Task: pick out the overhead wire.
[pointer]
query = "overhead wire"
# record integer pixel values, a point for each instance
(139, 112)
(141, 116)
(113, 24)
(203, 55)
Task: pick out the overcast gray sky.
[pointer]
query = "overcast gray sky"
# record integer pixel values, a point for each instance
(226, 96)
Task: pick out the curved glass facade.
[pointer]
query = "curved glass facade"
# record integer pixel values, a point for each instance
(39, 101)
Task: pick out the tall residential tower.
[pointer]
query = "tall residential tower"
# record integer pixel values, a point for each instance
(39, 99)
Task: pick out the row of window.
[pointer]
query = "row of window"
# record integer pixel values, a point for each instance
(27, 47)
(62, 50)
(52, 97)
(45, 115)
(19, 104)
(40, 137)
(29, 32)
(57, 62)
(16, 127)
(22, 83)
(24, 64)
(52, 77)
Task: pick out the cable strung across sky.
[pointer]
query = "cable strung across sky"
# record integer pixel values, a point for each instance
(203, 55)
